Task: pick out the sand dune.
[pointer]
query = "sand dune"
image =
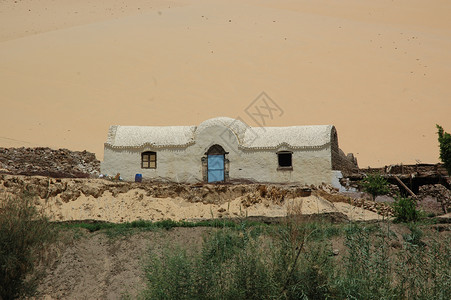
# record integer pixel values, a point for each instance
(379, 71)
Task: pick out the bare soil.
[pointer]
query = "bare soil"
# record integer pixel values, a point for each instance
(97, 266)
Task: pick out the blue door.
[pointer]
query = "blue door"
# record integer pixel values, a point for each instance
(215, 168)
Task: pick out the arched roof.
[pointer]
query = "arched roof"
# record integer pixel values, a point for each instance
(295, 137)
(152, 136)
(238, 127)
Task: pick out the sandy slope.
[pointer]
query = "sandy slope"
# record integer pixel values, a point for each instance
(378, 70)
(134, 205)
(97, 199)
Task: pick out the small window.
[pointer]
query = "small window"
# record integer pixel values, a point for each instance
(149, 160)
(285, 161)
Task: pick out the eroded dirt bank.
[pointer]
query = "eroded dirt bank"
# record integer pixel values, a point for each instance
(94, 266)
(99, 199)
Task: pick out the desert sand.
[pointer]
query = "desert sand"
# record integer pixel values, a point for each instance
(378, 70)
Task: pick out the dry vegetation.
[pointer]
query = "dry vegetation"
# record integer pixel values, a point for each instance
(297, 256)
(231, 241)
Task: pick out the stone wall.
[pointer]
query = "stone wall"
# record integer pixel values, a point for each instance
(61, 163)
(347, 164)
(438, 193)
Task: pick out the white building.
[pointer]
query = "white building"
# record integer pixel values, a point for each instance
(225, 149)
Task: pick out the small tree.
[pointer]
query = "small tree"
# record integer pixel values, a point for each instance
(444, 139)
(375, 185)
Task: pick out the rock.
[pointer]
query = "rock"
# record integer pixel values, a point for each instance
(384, 199)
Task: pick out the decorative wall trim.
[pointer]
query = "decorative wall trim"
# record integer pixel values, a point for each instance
(153, 146)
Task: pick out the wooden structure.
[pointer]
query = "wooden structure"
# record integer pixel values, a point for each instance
(408, 177)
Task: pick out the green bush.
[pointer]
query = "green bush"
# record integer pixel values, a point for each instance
(375, 185)
(23, 237)
(444, 139)
(405, 210)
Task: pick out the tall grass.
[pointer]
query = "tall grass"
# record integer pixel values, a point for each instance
(244, 263)
(24, 233)
(366, 269)
(295, 261)
(423, 269)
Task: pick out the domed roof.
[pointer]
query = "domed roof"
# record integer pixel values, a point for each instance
(237, 126)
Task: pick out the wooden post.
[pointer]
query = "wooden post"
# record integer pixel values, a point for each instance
(405, 186)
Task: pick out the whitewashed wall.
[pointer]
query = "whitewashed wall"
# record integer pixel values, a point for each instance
(184, 164)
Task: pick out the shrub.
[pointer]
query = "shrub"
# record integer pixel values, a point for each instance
(23, 236)
(375, 185)
(444, 139)
(405, 210)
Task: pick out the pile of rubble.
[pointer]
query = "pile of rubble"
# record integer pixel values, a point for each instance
(61, 163)
(438, 192)
(273, 194)
(382, 208)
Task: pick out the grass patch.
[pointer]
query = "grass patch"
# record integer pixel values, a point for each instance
(296, 261)
(118, 229)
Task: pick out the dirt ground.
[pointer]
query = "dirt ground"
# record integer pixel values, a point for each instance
(96, 266)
